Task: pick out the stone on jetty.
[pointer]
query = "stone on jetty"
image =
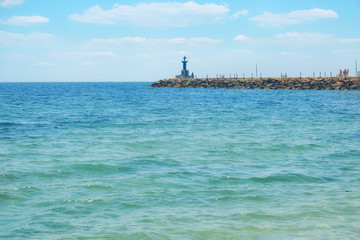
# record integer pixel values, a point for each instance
(324, 83)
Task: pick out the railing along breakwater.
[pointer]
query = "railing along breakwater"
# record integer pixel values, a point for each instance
(314, 83)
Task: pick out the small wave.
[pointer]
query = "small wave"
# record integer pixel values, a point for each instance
(12, 124)
(253, 215)
(227, 199)
(8, 176)
(98, 187)
(227, 179)
(254, 198)
(7, 124)
(289, 177)
(355, 180)
(7, 197)
(100, 168)
(295, 147)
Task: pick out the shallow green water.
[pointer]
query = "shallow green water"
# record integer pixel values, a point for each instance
(122, 161)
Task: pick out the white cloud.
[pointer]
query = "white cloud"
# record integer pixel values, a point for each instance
(285, 53)
(269, 19)
(25, 20)
(298, 38)
(18, 38)
(350, 40)
(101, 54)
(182, 53)
(342, 51)
(289, 54)
(240, 13)
(43, 64)
(9, 3)
(123, 40)
(93, 54)
(168, 14)
(143, 55)
(149, 41)
(242, 51)
(241, 38)
(305, 38)
(87, 64)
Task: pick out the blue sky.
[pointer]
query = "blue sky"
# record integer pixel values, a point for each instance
(145, 40)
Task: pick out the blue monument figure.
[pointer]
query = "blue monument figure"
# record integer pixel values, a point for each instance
(184, 71)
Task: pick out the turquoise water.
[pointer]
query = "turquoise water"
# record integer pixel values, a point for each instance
(123, 161)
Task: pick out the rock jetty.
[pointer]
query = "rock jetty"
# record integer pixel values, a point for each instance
(321, 83)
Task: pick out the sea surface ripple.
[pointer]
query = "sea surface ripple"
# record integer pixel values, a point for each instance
(123, 161)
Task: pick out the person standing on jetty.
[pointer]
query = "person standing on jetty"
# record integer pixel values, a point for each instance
(344, 73)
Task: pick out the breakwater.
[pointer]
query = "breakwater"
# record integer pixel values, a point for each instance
(320, 83)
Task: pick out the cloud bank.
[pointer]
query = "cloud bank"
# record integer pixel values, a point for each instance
(298, 38)
(9, 3)
(269, 19)
(25, 20)
(15, 38)
(92, 54)
(167, 14)
(149, 41)
(241, 38)
(240, 13)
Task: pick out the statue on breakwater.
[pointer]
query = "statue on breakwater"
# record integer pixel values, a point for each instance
(184, 71)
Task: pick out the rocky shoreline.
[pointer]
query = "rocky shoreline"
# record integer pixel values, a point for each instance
(324, 83)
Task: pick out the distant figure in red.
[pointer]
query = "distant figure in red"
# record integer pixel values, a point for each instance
(340, 74)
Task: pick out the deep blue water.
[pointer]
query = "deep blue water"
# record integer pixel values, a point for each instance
(123, 161)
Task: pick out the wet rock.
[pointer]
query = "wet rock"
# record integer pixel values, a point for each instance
(264, 83)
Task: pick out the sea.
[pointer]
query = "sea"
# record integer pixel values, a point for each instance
(125, 161)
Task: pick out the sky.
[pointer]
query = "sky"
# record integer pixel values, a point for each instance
(144, 41)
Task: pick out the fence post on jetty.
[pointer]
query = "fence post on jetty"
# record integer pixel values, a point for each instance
(252, 75)
(260, 75)
(356, 70)
(320, 74)
(324, 74)
(243, 75)
(256, 71)
(313, 74)
(331, 74)
(300, 74)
